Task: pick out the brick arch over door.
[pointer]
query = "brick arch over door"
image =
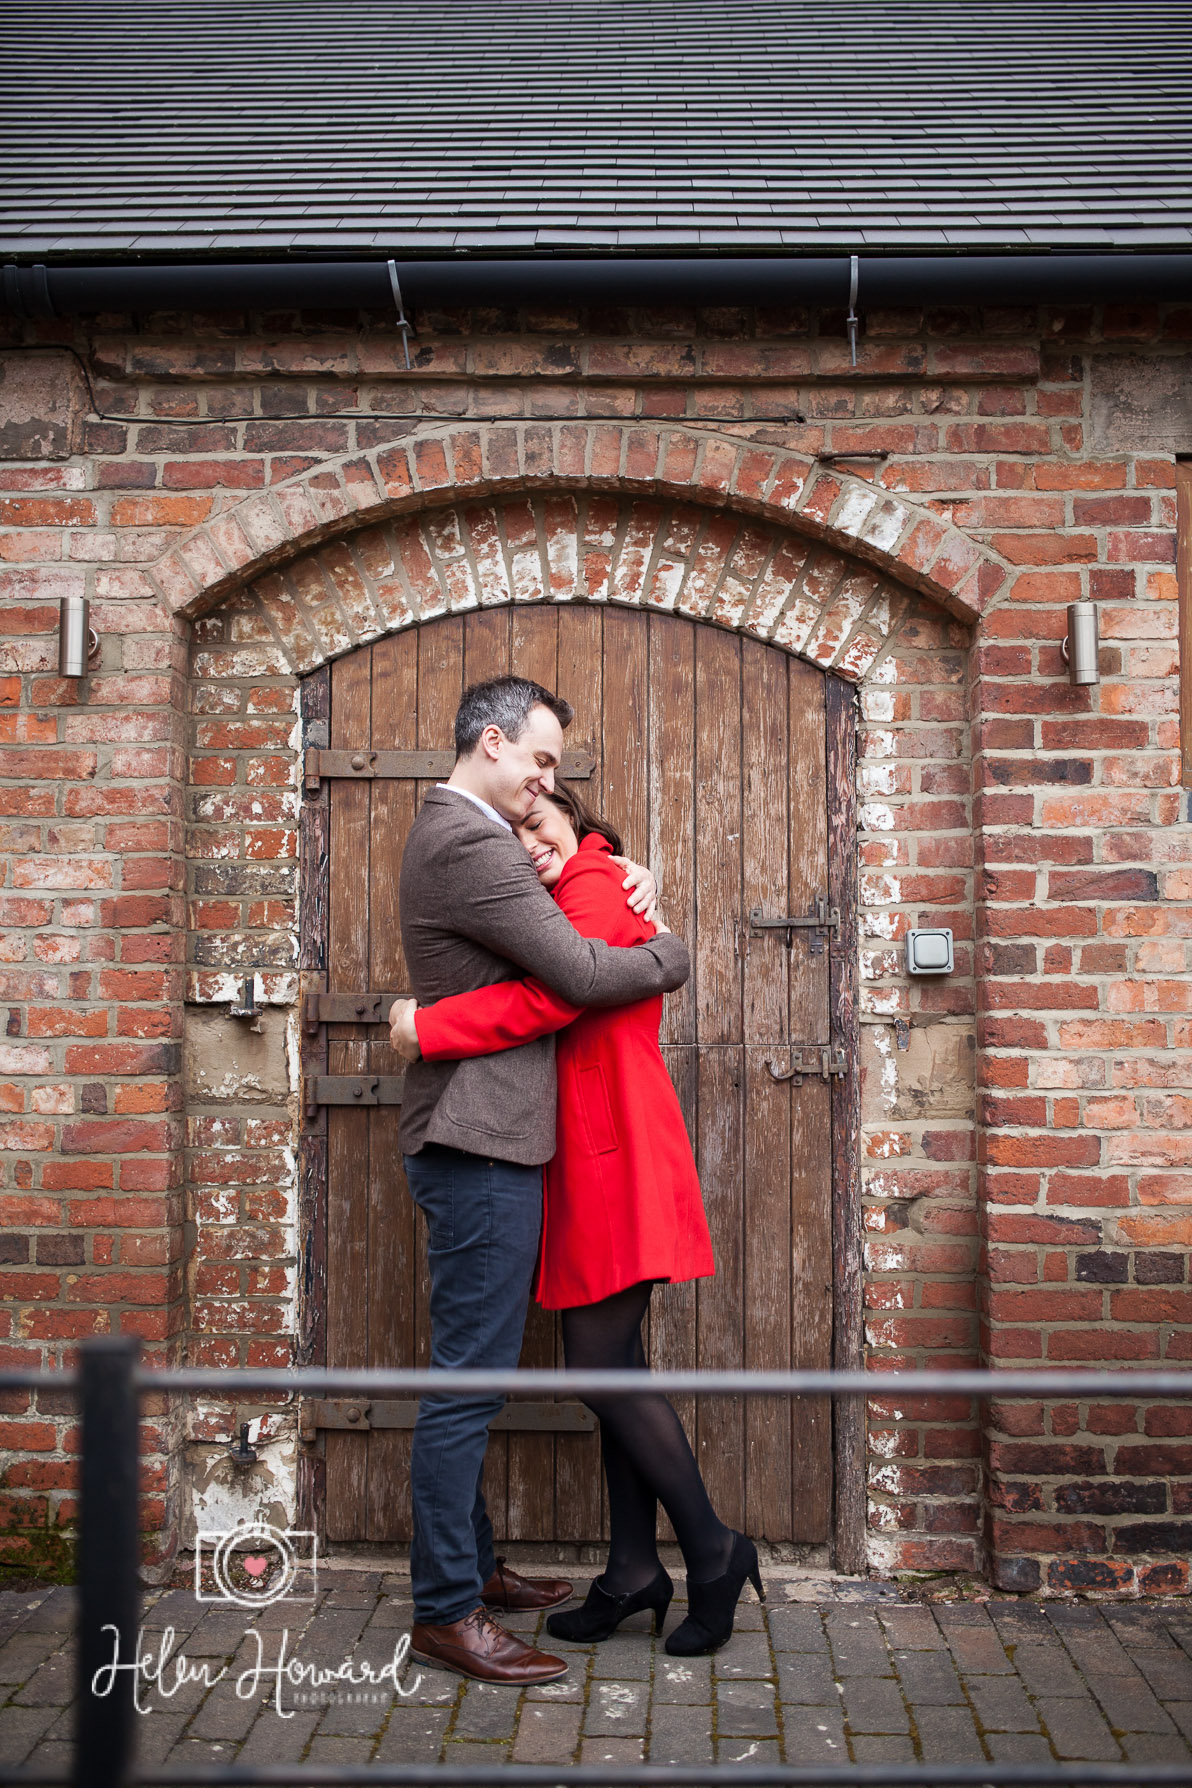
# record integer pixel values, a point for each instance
(664, 556)
(909, 543)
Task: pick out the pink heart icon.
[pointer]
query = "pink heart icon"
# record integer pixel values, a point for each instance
(256, 1565)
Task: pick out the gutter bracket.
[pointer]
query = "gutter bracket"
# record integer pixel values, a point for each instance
(27, 290)
(403, 322)
(854, 279)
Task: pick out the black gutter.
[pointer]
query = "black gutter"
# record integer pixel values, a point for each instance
(821, 281)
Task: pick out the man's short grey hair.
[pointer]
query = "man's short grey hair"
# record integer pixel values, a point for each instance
(505, 702)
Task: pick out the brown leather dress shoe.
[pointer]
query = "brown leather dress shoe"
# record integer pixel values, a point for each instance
(507, 1589)
(480, 1646)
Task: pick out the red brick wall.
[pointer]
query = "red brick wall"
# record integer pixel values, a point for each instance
(1043, 823)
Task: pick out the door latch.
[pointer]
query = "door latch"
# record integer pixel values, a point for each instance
(819, 922)
(827, 1064)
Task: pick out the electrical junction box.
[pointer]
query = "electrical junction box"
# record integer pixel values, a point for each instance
(929, 952)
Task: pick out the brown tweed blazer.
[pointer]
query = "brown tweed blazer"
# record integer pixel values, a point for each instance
(473, 912)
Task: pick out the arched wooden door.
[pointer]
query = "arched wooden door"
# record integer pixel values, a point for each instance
(709, 754)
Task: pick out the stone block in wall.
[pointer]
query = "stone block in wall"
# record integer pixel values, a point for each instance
(932, 1078)
(1141, 403)
(42, 398)
(223, 1495)
(228, 1062)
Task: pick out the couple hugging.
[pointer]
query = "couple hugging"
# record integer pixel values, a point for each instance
(516, 928)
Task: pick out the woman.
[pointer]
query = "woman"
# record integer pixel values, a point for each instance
(622, 1209)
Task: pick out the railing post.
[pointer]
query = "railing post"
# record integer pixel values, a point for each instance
(108, 1562)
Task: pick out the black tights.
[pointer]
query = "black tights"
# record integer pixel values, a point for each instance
(647, 1459)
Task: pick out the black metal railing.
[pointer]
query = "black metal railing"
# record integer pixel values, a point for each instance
(109, 1383)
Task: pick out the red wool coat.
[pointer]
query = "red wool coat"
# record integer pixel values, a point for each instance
(622, 1198)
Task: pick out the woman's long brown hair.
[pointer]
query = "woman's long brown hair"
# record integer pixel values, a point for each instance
(582, 818)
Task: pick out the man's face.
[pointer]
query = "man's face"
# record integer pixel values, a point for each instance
(525, 768)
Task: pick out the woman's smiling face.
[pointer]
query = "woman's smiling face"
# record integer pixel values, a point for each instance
(549, 836)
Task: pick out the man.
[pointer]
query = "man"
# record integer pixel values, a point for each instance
(475, 1135)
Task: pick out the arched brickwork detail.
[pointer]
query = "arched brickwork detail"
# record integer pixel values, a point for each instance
(710, 565)
(913, 545)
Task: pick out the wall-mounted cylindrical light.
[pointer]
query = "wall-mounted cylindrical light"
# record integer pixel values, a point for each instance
(1080, 647)
(77, 639)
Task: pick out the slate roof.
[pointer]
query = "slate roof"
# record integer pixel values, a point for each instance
(263, 127)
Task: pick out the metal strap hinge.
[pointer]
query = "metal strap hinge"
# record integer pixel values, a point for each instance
(346, 1008)
(826, 1064)
(351, 1089)
(362, 1415)
(419, 766)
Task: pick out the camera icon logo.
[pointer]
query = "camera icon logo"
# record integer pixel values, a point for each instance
(255, 1564)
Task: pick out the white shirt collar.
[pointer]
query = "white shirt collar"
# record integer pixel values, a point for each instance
(484, 807)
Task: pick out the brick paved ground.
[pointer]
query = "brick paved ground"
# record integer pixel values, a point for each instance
(854, 1674)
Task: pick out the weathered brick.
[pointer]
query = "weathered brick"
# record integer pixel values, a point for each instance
(1070, 850)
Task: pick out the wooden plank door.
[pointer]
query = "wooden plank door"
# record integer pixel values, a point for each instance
(710, 757)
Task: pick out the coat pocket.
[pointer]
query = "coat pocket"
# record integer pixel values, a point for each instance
(597, 1111)
(505, 1094)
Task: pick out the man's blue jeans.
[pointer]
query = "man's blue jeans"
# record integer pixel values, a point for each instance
(483, 1220)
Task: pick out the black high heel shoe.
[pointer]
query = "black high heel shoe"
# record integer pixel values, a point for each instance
(602, 1613)
(711, 1607)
